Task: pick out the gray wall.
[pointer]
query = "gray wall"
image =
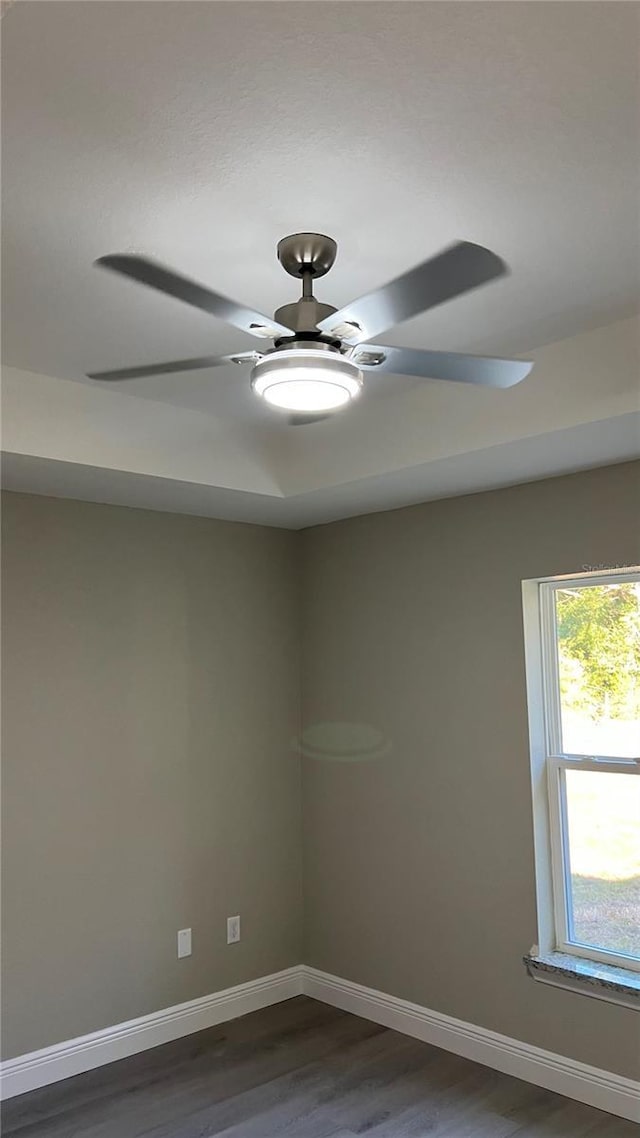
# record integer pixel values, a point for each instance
(151, 691)
(419, 864)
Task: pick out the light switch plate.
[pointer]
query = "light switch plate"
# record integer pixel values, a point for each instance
(184, 942)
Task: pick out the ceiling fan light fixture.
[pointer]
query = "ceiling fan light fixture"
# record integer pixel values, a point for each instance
(306, 371)
(306, 379)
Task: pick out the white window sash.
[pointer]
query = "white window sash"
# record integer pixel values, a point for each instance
(557, 762)
(605, 577)
(549, 764)
(550, 662)
(566, 941)
(550, 670)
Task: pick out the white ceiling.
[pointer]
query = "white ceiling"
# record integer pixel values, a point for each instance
(200, 133)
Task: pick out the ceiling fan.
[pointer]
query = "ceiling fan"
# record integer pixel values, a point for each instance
(319, 353)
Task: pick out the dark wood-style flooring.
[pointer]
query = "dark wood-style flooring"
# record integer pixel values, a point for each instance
(308, 1071)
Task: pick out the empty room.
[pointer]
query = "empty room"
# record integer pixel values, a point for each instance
(320, 569)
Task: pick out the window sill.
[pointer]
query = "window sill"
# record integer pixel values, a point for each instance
(603, 981)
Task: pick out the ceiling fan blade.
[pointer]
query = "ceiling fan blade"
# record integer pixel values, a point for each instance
(456, 270)
(441, 365)
(306, 420)
(172, 284)
(174, 366)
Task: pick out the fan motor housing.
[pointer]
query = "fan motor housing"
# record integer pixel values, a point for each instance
(303, 315)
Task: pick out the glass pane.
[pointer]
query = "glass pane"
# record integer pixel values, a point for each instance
(604, 858)
(598, 630)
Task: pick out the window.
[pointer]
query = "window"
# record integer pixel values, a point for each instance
(583, 680)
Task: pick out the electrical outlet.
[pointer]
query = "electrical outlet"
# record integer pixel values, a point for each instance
(184, 942)
(233, 930)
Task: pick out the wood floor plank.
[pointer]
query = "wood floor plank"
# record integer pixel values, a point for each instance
(303, 1070)
(295, 1094)
(575, 1120)
(216, 1073)
(227, 1044)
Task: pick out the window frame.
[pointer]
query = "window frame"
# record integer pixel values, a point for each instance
(549, 764)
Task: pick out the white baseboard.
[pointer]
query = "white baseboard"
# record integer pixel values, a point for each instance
(591, 1085)
(62, 1060)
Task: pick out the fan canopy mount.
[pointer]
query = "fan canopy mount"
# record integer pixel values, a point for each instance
(302, 253)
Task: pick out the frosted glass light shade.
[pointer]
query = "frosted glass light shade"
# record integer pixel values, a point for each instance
(307, 380)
